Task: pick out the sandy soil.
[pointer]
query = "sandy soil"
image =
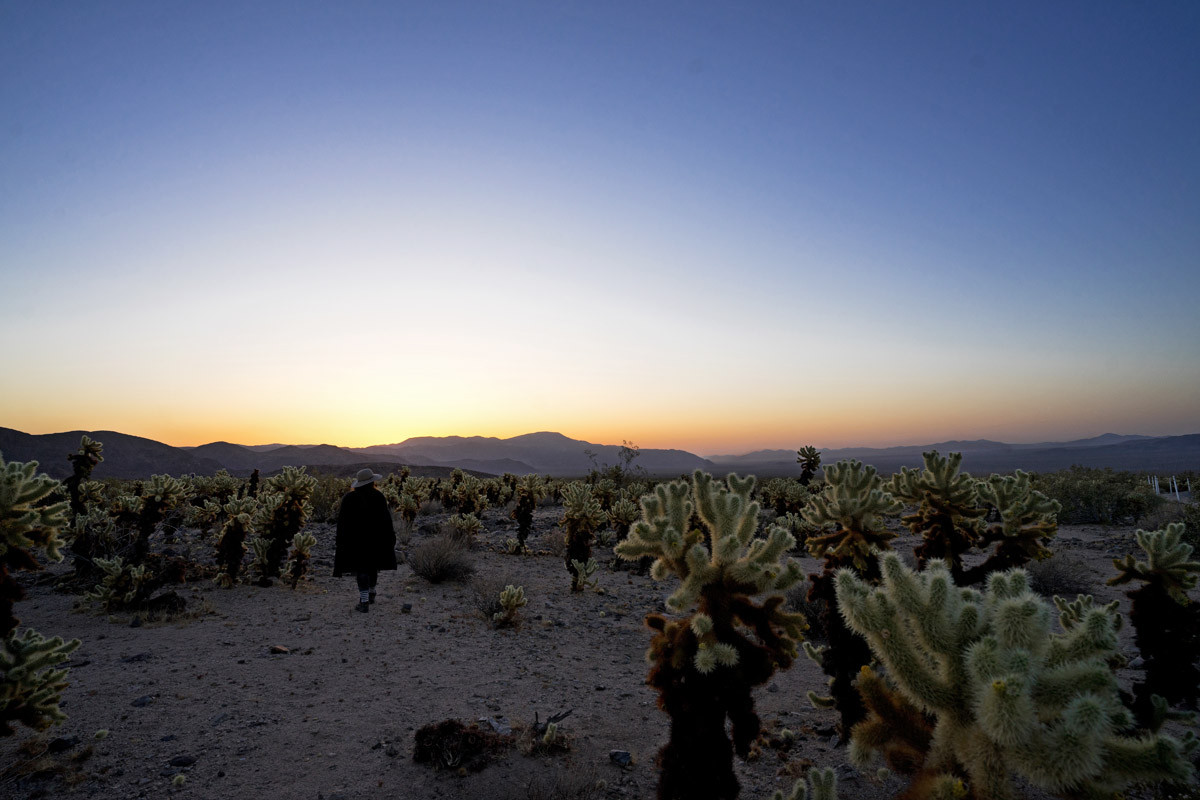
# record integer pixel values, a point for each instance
(333, 713)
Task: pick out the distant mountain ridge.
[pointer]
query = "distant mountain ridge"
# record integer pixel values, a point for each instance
(548, 453)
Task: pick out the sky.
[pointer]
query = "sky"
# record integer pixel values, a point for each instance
(709, 226)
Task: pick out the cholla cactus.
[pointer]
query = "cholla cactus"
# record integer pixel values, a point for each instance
(25, 523)
(850, 511)
(262, 551)
(1167, 624)
(283, 510)
(1008, 695)
(824, 787)
(30, 689)
(623, 513)
(409, 505)
(204, 517)
(584, 570)
(948, 517)
(83, 461)
(733, 633)
(582, 517)
(512, 598)
(466, 528)
(1028, 521)
(297, 565)
(528, 491)
(231, 548)
(809, 459)
(161, 494)
(124, 585)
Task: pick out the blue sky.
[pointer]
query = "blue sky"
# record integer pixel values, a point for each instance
(693, 225)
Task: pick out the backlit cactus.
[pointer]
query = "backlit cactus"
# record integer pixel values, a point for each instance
(582, 517)
(1166, 622)
(297, 564)
(231, 548)
(30, 687)
(283, 510)
(948, 517)
(528, 491)
(731, 631)
(809, 459)
(83, 461)
(159, 495)
(1008, 695)
(848, 517)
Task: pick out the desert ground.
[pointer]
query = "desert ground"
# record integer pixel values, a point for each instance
(257, 693)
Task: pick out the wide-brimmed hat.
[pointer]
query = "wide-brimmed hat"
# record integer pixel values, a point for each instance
(364, 477)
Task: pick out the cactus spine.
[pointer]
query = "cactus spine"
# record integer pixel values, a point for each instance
(1008, 695)
(731, 633)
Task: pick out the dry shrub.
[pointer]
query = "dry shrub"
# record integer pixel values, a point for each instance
(1061, 575)
(570, 783)
(451, 744)
(485, 594)
(441, 559)
(554, 542)
(813, 610)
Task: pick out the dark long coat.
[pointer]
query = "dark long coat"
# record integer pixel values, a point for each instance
(366, 540)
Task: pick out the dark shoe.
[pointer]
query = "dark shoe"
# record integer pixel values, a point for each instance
(371, 597)
(363, 607)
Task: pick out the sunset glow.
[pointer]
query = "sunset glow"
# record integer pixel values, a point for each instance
(690, 226)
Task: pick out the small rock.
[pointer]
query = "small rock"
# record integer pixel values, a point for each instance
(392, 751)
(774, 687)
(182, 761)
(600, 687)
(136, 622)
(144, 700)
(62, 744)
(137, 659)
(279, 650)
(219, 718)
(846, 773)
(406, 608)
(220, 773)
(1137, 663)
(621, 758)
(170, 737)
(498, 725)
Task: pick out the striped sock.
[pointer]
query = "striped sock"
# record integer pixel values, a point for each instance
(363, 595)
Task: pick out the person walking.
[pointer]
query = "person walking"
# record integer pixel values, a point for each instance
(366, 540)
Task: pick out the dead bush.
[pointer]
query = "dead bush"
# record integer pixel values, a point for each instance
(1060, 575)
(441, 559)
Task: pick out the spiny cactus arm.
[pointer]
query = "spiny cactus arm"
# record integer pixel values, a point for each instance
(698, 573)
(1147, 759)
(1168, 561)
(873, 615)
(1091, 633)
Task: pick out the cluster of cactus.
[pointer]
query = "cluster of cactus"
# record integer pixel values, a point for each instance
(30, 684)
(952, 511)
(147, 510)
(582, 517)
(282, 511)
(1006, 696)
(1166, 623)
(466, 528)
(731, 633)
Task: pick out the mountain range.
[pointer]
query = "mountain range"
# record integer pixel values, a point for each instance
(547, 453)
